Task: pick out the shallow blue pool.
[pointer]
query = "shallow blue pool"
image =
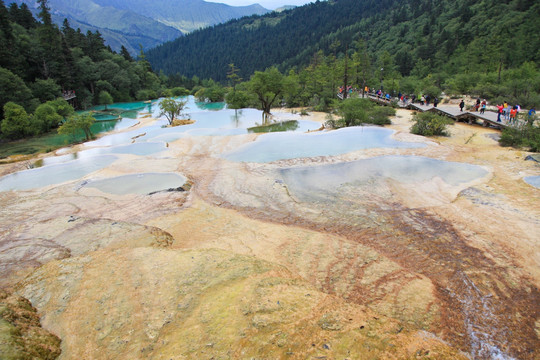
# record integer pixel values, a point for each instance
(328, 180)
(280, 146)
(533, 180)
(141, 149)
(141, 184)
(55, 174)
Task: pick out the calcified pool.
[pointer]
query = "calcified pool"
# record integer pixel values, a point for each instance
(533, 181)
(55, 174)
(140, 149)
(304, 182)
(140, 184)
(280, 146)
(210, 120)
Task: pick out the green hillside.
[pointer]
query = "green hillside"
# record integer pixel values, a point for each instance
(40, 63)
(460, 46)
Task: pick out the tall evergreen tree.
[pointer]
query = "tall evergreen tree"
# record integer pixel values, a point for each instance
(6, 38)
(51, 43)
(22, 15)
(125, 53)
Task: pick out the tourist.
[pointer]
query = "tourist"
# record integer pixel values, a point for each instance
(422, 100)
(513, 115)
(428, 99)
(461, 105)
(506, 110)
(499, 112)
(507, 117)
(435, 102)
(483, 106)
(477, 105)
(531, 115)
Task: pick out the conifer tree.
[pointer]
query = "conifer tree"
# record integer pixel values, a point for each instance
(125, 53)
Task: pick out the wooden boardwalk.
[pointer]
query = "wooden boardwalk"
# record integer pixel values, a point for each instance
(68, 95)
(488, 118)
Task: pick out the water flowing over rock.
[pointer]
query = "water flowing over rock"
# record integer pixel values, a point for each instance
(380, 252)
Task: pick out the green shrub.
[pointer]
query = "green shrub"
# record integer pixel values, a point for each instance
(16, 123)
(166, 93)
(433, 91)
(380, 115)
(146, 95)
(78, 123)
(238, 99)
(355, 111)
(179, 91)
(510, 137)
(430, 124)
(45, 118)
(525, 136)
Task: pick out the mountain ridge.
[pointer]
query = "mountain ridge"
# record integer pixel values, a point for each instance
(195, 13)
(420, 37)
(130, 23)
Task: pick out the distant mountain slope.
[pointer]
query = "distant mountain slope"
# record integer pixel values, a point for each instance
(418, 36)
(256, 42)
(133, 22)
(185, 15)
(116, 38)
(118, 26)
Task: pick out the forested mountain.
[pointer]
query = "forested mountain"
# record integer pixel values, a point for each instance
(149, 23)
(39, 62)
(409, 37)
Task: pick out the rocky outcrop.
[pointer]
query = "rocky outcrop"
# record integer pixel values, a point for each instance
(149, 303)
(21, 335)
(62, 237)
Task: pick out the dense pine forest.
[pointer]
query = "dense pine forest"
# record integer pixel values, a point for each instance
(40, 62)
(487, 48)
(298, 57)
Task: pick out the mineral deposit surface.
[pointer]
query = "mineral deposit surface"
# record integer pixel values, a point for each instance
(261, 261)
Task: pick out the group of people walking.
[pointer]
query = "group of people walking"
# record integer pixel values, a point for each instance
(508, 113)
(505, 111)
(426, 99)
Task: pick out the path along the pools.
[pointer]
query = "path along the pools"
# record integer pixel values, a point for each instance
(487, 119)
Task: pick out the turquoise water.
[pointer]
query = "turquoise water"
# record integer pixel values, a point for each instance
(105, 117)
(209, 121)
(54, 174)
(141, 184)
(280, 146)
(212, 119)
(329, 180)
(533, 180)
(137, 105)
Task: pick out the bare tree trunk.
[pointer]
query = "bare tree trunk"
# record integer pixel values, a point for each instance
(345, 76)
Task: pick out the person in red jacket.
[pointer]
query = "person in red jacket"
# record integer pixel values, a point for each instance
(499, 112)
